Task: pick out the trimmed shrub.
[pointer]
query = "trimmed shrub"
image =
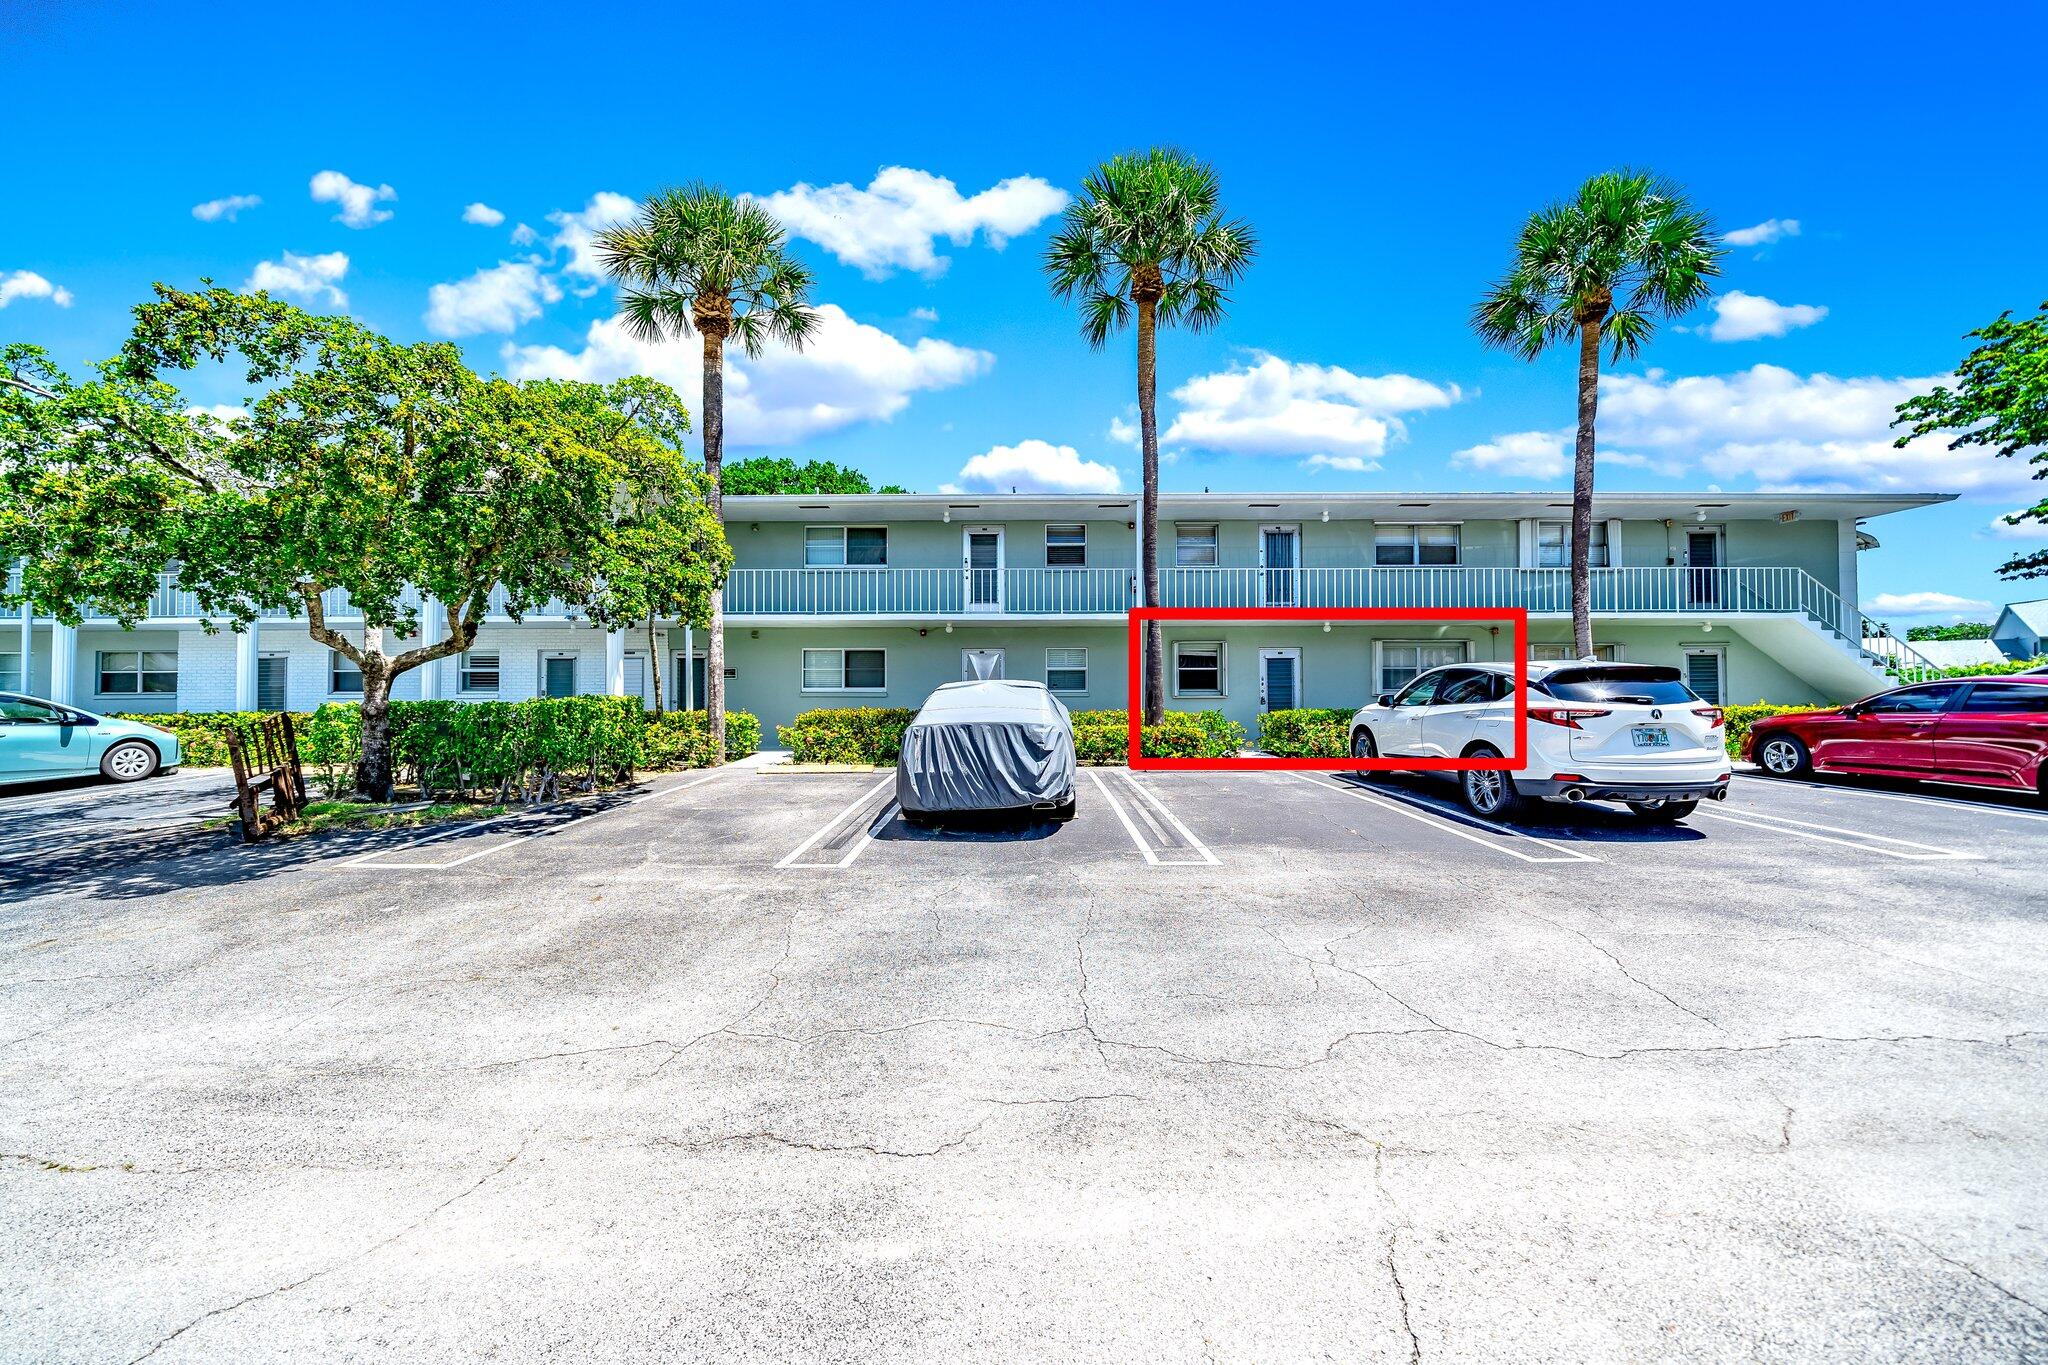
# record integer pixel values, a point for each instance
(1104, 736)
(1991, 670)
(1738, 719)
(680, 739)
(203, 735)
(851, 734)
(1308, 732)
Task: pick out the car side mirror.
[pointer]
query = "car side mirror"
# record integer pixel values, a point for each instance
(80, 718)
(1385, 699)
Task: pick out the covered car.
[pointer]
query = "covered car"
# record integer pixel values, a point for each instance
(991, 745)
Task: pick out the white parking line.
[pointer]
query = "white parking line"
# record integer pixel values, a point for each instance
(1973, 807)
(1429, 814)
(867, 835)
(1186, 834)
(373, 858)
(1853, 838)
(1151, 856)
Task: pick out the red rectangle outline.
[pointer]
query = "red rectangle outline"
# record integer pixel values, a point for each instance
(1516, 617)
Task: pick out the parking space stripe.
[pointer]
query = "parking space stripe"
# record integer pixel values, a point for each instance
(791, 860)
(1430, 814)
(1187, 835)
(1129, 828)
(1850, 838)
(1971, 807)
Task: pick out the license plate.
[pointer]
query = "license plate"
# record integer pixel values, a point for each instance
(1652, 737)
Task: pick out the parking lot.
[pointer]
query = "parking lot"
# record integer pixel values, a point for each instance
(1234, 1066)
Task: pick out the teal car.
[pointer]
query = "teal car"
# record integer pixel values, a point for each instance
(41, 741)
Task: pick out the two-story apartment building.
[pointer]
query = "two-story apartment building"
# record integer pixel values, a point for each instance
(876, 599)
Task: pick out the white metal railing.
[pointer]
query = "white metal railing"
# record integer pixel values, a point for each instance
(927, 592)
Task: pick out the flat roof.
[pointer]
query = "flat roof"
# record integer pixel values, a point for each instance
(971, 507)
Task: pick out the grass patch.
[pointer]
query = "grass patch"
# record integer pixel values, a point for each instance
(321, 816)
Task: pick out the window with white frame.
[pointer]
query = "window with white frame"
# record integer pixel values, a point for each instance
(1194, 545)
(343, 676)
(1066, 670)
(1066, 547)
(129, 672)
(1400, 543)
(1554, 545)
(1198, 670)
(1401, 660)
(1564, 653)
(478, 671)
(846, 670)
(834, 547)
(10, 672)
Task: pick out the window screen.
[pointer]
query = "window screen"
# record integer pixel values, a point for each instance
(1554, 540)
(1198, 669)
(1194, 545)
(343, 676)
(1066, 670)
(1066, 547)
(479, 671)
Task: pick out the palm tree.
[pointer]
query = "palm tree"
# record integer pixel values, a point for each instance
(1146, 235)
(1603, 265)
(698, 258)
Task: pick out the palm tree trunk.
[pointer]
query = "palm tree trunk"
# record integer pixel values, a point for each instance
(1148, 423)
(654, 660)
(1582, 490)
(714, 455)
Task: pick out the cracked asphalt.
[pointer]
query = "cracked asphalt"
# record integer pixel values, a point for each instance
(1236, 1067)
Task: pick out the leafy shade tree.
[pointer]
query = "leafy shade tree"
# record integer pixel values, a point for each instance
(1962, 630)
(360, 467)
(1999, 400)
(775, 474)
(699, 259)
(1599, 268)
(1146, 238)
(666, 553)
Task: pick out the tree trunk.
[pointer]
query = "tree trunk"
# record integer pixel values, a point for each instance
(654, 660)
(1148, 511)
(1582, 489)
(714, 455)
(373, 764)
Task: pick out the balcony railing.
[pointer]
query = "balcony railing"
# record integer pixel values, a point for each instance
(927, 592)
(171, 603)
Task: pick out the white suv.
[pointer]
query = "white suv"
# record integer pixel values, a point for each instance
(1597, 731)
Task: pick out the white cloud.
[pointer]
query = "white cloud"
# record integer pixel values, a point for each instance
(522, 235)
(1033, 467)
(483, 215)
(1764, 233)
(1524, 454)
(925, 314)
(1349, 464)
(358, 202)
(848, 373)
(1124, 431)
(1789, 431)
(1745, 317)
(1771, 426)
(1925, 604)
(213, 210)
(219, 415)
(2026, 530)
(496, 299)
(307, 278)
(26, 284)
(574, 230)
(893, 223)
(1276, 407)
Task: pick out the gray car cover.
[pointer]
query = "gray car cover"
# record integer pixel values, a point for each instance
(991, 745)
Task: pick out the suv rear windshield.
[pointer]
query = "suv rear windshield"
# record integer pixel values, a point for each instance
(1639, 683)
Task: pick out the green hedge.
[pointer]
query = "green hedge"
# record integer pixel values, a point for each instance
(1310, 732)
(1738, 719)
(680, 739)
(1990, 670)
(850, 734)
(1104, 736)
(203, 735)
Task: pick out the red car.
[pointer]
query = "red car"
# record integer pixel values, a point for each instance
(1985, 732)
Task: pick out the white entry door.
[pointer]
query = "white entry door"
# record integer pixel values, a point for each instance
(1280, 562)
(980, 664)
(981, 557)
(1279, 679)
(636, 678)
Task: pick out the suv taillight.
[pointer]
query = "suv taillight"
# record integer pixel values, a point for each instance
(1566, 716)
(1710, 714)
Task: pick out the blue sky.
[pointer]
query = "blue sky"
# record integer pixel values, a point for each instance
(1385, 159)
